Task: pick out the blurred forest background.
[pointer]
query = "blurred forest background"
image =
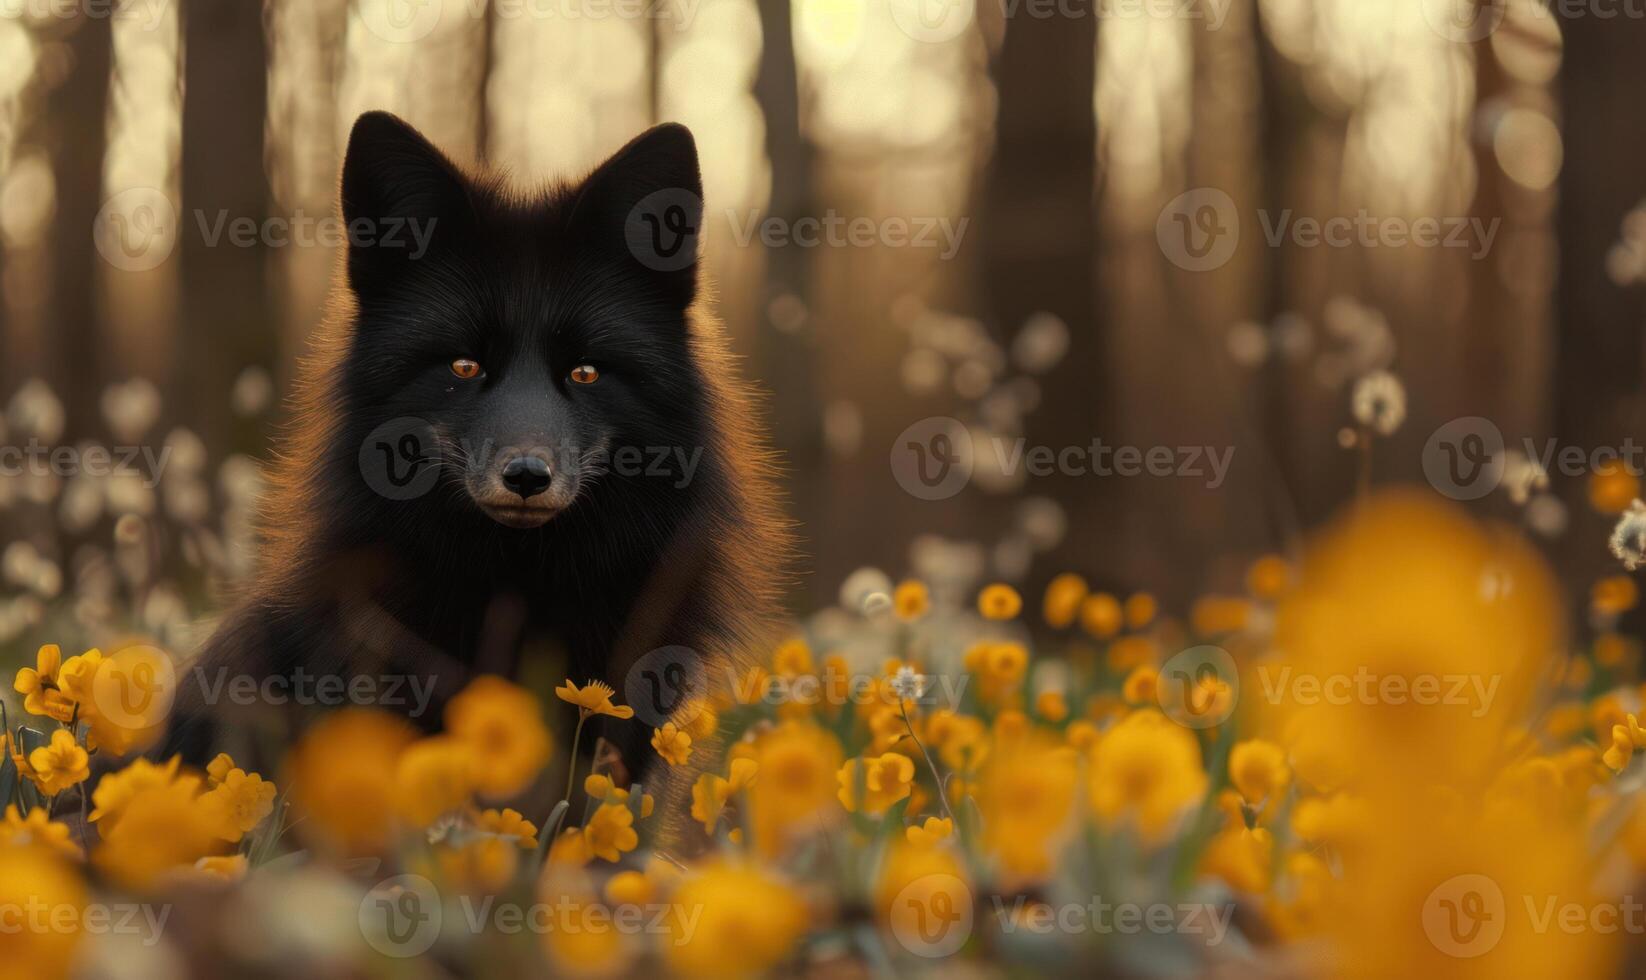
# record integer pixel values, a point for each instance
(1056, 132)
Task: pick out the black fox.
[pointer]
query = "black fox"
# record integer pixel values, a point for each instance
(518, 434)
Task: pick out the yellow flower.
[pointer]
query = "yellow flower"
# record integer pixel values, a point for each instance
(929, 834)
(1240, 857)
(35, 879)
(1141, 685)
(219, 768)
(1051, 706)
(698, 719)
(116, 790)
(629, 888)
(962, 741)
(795, 793)
(1026, 794)
(999, 601)
(568, 850)
(610, 832)
(1258, 770)
(674, 745)
(229, 867)
(584, 949)
(1612, 487)
(1340, 821)
(39, 687)
(434, 777)
(508, 823)
(1146, 770)
(162, 829)
(1082, 735)
(911, 600)
(342, 777)
(37, 828)
(710, 792)
(792, 657)
(239, 802)
(1101, 615)
(1140, 610)
(478, 865)
(503, 726)
(593, 698)
(1268, 577)
(1063, 599)
(1614, 595)
(885, 780)
(1625, 739)
(748, 922)
(59, 764)
(916, 880)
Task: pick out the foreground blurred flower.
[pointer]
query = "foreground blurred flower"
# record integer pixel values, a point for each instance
(502, 724)
(1145, 772)
(930, 833)
(1026, 793)
(36, 829)
(33, 878)
(239, 802)
(161, 829)
(342, 777)
(435, 776)
(746, 922)
(795, 794)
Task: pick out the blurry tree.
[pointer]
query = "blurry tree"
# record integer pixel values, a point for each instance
(73, 120)
(1038, 230)
(227, 313)
(785, 359)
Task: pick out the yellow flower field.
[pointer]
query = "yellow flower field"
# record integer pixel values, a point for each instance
(1382, 758)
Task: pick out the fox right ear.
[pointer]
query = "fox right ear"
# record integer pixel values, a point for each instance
(400, 196)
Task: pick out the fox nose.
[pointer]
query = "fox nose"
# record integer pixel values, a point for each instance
(527, 476)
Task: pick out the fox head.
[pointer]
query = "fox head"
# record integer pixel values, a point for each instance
(513, 352)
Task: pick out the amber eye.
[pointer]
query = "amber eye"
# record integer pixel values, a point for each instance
(465, 368)
(585, 374)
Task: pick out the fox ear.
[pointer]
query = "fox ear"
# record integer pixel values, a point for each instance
(399, 195)
(645, 204)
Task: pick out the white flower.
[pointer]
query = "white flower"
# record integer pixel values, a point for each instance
(1379, 402)
(1629, 536)
(907, 684)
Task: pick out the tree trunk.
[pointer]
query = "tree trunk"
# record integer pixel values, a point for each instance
(227, 323)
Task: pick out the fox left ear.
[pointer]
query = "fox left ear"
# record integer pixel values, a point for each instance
(646, 203)
(399, 195)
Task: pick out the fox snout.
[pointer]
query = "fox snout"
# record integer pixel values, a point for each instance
(527, 475)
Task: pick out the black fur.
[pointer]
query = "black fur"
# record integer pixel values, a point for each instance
(529, 286)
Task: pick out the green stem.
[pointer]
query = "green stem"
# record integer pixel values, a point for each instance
(571, 763)
(942, 793)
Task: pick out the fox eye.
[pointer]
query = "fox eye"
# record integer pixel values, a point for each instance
(465, 368)
(585, 374)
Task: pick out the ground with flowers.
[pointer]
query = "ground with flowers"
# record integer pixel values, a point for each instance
(1384, 756)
